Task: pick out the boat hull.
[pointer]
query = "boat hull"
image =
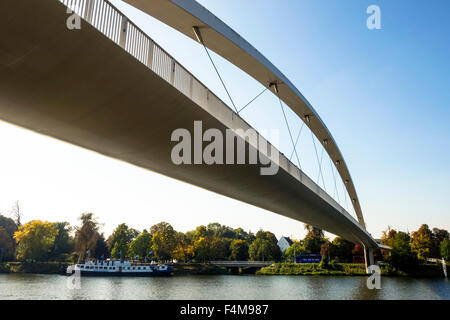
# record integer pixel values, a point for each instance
(124, 274)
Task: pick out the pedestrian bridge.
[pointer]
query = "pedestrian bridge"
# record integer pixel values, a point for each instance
(110, 88)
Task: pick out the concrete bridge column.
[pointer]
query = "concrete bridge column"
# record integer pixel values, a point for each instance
(368, 255)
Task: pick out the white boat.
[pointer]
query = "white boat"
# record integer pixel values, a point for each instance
(119, 268)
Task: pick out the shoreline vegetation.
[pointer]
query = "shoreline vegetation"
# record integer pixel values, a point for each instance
(347, 269)
(429, 270)
(49, 247)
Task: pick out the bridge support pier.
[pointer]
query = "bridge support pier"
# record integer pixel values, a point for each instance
(368, 255)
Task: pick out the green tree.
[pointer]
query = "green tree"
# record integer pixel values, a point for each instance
(422, 242)
(120, 240)
(266, 235)
(141, 245)
(239, 250)
(8, 224)
(86, 235)
(313, 239)
(184, 249)
(6, 243)
(63, 244)
(219, 248)
(445, 249)
(200, 232)
(101, 250)
(162, 227)
(341, 250)
(388, 236)
(35, 240)
(439, 235)
(402, 257)
(294, 250)
(263, 249)
(163, 244)
(221, 231)
(201, 250)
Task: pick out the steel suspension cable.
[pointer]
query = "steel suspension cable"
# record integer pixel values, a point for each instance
(296, 141)
(345, 195)
(334, 177)
(317, 157)
(289, 129)
(218, 74)
(253, 99)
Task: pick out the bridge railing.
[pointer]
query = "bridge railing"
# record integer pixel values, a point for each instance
(106, 18)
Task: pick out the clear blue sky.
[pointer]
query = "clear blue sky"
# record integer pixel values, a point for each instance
(384, 95)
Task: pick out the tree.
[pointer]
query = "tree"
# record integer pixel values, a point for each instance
(422, 242)
(267, 235)
(240, 234)
(163, 241)
(101, 250)
(263, 249)
(8, 224)
(402, 257)
(219, 248)
(388, 236)
(439, 235)
(184, 249)
(313, 231)
(120, 240)
(341, 250)
(35, 240)
(7, 244)
(313, 239)
(445, 249)
(294, 250)
(162, 227)
(221, 231)
(63, 243)
(7, 241)
(239, 250)
(86, 235)
(200, 232)
(201, 250)
(141, 245)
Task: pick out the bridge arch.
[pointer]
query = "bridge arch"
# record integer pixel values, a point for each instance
(187, 16)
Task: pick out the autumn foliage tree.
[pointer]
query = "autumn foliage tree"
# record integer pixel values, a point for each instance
(35, 239)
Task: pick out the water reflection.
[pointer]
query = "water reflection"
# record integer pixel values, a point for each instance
(27, 286)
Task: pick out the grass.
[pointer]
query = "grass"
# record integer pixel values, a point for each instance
(426, 270)
(306, 269)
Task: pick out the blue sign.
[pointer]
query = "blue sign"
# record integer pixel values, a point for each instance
(2, 250)
(308, 258)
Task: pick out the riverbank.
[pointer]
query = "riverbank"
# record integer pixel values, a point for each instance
(34, 267)
(60, 268)
(348, 269)
(291, 269)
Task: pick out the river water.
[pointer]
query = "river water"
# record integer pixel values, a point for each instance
(227, 287)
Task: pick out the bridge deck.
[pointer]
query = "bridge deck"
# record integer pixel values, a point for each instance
(81, 87)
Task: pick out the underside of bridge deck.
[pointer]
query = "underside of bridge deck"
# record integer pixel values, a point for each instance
(80, 87)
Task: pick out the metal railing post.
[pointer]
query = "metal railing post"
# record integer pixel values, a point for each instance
(151, 49)
(123, 32)
(89, 11)
(172, 74)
